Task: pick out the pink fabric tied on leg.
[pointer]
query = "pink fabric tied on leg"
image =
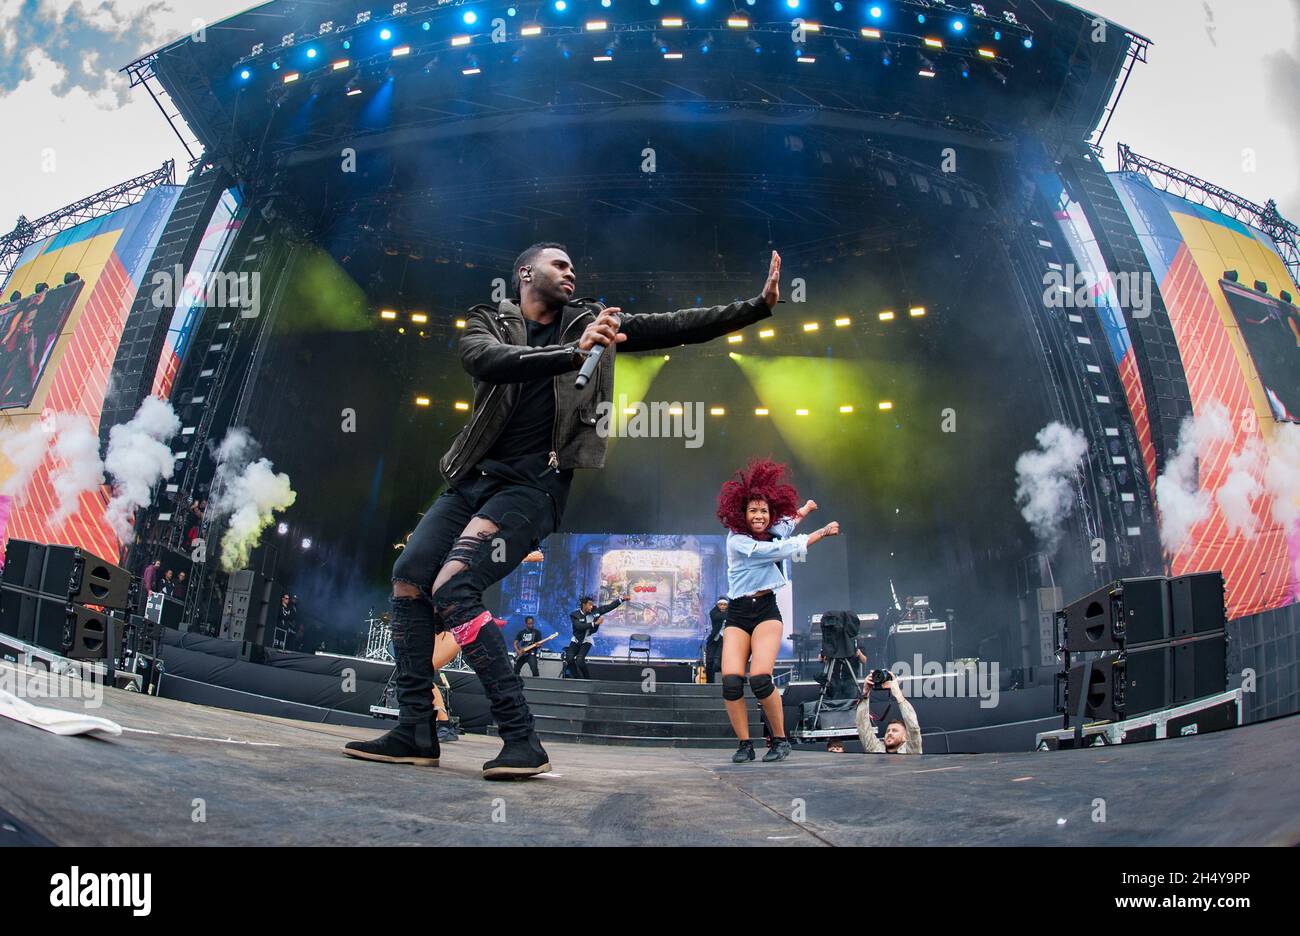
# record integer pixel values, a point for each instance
(465, 634)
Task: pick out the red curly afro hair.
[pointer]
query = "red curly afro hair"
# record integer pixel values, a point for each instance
(762, 479)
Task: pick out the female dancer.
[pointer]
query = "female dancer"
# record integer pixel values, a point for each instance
(756, 546)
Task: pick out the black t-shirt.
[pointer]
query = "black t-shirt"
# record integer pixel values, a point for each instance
(526, 637)
(532, 421)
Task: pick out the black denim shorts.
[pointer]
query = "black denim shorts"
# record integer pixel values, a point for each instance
(748, 613)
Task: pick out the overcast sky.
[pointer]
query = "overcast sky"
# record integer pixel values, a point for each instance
(1223, 77)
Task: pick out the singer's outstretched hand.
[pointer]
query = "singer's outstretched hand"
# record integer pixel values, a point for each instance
(603, 331)
(772, 288)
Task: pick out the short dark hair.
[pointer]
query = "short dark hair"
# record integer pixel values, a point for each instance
(530, 618)
(528, 256)
(585, 598)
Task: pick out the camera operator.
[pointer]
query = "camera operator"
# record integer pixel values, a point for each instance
(902, 732)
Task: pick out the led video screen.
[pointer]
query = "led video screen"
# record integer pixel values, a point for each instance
(28, 330)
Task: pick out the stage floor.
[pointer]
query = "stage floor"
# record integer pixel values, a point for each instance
(268, 781)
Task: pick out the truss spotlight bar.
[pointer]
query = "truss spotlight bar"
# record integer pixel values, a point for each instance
(671, 21)
(533, 30)
(597, 26)
(341, 64)
(460, 40)
(869, 33)
(737, 22)
(933, 42)
(401, 50)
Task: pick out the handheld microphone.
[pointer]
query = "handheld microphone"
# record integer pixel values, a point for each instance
(593, 359)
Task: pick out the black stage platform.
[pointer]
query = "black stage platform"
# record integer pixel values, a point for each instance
(272, 781)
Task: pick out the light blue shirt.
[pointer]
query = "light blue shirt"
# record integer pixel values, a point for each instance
(756, 565)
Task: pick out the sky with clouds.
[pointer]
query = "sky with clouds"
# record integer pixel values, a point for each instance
(1223, 78)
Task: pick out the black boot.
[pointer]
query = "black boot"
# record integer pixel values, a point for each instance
(415, 739)
(522, 754)
(778, 750)
(405, 744)
(518, 759)
(744, 754)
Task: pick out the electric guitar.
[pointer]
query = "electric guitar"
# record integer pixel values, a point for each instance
(533, 646)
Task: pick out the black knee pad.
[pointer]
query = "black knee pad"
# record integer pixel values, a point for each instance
(761, 683)
(733, 688)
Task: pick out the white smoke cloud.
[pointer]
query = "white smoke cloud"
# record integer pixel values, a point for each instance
(1281, 476)
(249, 492)
(25, 449)
(80, 468)
(1044, 481)
(138, 458)
(1182, 502)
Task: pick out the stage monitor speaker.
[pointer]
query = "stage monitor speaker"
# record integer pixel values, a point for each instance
(1091, 622)
(36, 619)
(1104, 693)
(1199, 603)
(1128, 611)
(24, 562)
(1168, 674)
(244, 615)
(1145, 609)
(95, 635)
(87, 579)
(931, 640)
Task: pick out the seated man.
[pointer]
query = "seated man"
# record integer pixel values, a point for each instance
(902, 733)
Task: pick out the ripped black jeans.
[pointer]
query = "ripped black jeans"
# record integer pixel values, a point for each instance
(525, 500)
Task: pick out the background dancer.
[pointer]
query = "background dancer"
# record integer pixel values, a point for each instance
(586, 621)
(755, 549)
(508, 474)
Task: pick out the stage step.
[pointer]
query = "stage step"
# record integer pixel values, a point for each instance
(603, 711)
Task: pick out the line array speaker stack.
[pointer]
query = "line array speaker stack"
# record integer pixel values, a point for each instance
(250, 611)
(65, 599)
(1152, 642)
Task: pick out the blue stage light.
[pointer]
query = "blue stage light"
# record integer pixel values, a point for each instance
(385, 34)
(605, 3)
(245, 74)
(958, 25)
(654, 2)
(704, 49)
(561, 5)
(275, 66)
(997, 34)
(311, 53)
(792, 4)
(701, 2)
(1029, 43)
(470, 17)
(511, 12)
(876, 12)
(839, 7)
(920, 17)
(347, 43)
(426, 25)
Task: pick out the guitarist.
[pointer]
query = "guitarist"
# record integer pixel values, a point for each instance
(526, 643)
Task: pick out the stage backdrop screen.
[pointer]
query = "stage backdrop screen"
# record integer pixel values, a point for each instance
(56, 353)
(672, 582)
(1235, 352)
(1271, 329)
(28, 331)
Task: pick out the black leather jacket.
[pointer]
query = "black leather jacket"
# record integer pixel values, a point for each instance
(494, 351)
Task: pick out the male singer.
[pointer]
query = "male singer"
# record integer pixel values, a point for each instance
(508, 475)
